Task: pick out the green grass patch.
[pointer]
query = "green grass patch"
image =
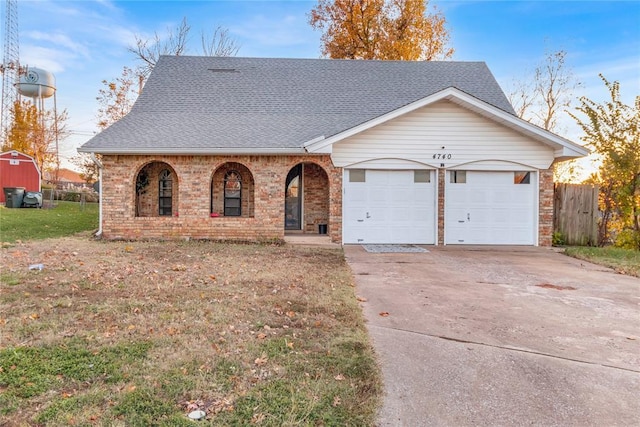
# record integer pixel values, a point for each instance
(143, 333)
(625, 261)
(65, 219)
(9, 279)
(32, 371)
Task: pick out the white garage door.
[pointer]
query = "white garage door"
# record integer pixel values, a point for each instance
(492, 208)
(389, 206)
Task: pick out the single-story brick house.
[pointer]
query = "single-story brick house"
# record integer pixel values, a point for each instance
(371, 151)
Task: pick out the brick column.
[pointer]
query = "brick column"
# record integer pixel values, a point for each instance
(545, 209)
(441, 178)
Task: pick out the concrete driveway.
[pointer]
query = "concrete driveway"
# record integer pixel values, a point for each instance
(501, 336)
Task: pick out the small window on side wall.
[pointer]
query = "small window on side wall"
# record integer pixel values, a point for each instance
(458, 177)
(522, 177)
(357, 175)
(421, 176)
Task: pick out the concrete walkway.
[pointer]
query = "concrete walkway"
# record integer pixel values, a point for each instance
(317, 240)
(501, 336)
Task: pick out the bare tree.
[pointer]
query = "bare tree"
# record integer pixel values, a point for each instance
(521, 96)
(149, 50)
(116, 98)
(554, 87)
(220, 43)
(541, 99)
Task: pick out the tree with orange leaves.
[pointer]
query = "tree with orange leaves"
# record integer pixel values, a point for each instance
(381, 29)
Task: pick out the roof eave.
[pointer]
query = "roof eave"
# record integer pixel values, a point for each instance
(229, 151)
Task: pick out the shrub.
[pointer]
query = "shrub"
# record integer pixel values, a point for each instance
(628, 239)
(557, 239)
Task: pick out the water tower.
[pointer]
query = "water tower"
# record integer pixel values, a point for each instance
(38, 85)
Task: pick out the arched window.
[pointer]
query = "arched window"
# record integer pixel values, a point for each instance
(232, 194)
(165, 189)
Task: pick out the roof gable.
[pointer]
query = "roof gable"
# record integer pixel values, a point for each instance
(563, 148)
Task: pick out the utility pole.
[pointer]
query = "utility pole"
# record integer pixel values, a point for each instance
(10, 67)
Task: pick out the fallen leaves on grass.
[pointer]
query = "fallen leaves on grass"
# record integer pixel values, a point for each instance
(224, 322)
(260, 361)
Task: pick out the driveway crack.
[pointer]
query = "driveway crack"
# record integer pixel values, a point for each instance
(516, 349)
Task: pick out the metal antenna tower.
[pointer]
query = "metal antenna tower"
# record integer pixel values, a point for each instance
(10, 66)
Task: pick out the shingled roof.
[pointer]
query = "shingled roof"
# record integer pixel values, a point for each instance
(208, 105)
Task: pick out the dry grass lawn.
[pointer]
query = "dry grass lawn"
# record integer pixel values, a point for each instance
(145, 333)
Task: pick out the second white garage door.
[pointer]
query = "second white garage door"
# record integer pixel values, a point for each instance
(389, 206)
(492, 208)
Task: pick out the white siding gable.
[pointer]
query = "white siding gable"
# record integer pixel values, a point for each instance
(458, 137)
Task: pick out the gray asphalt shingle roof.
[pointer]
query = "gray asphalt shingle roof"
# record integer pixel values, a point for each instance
(196, 104)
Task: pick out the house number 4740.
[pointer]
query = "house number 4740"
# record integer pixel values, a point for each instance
(442, 156)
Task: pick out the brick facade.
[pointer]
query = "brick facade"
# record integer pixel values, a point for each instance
(316, 197)
(263, 180)
(198, 201)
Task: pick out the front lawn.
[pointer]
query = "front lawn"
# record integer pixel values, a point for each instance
(64, 219)
(145, 333)
(625, 261)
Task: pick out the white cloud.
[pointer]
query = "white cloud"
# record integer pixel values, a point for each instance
(623, 70)
(59, 39)
(52, 60)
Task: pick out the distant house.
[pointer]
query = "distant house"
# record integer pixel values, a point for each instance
(66, 178)
(18, 170)
(371, 151)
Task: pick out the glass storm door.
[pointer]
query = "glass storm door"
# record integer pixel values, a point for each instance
(293, 199)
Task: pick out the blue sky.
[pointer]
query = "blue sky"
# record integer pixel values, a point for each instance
(85, 42)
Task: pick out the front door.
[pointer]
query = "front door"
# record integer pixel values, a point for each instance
(293, 199)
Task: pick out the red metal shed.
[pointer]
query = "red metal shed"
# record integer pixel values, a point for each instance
(18, 170)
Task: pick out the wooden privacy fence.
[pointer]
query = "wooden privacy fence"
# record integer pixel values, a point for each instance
(575, 213)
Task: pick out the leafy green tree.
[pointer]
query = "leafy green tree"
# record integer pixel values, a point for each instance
(380, 29)
(612, 129)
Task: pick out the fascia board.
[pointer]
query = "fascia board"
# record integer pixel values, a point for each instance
(195, 151)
